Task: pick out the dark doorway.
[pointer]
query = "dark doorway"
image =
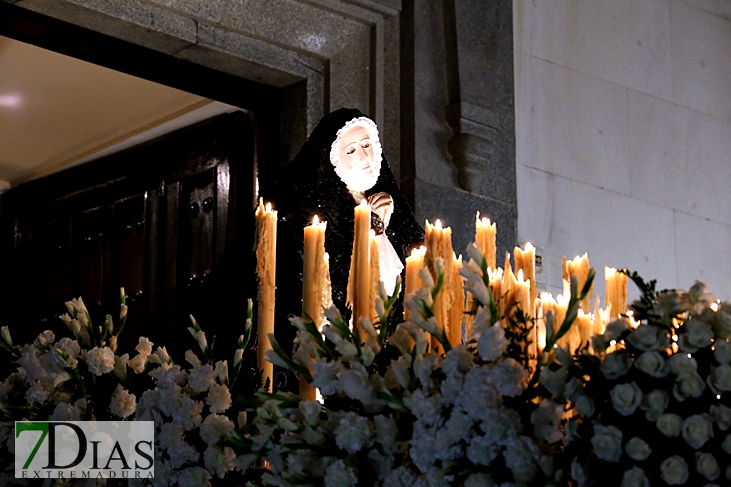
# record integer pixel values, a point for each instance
(155, 219)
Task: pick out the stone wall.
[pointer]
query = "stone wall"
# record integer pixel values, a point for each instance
(624, 136)
(437, 76)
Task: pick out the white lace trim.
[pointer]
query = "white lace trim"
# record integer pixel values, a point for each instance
(358, 183)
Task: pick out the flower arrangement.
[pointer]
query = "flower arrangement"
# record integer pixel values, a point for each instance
(651, 407)
(644, 404)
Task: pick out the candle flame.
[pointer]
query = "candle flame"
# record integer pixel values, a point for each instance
(269, 208)
(363, 203)
(316, 220)
(520, 275)
(528, 247)
(372, 233)
(438, 224)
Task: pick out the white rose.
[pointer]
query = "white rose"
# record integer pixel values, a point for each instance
(637, 449)
(697, 430)
(720, 378)
(651, 363)
(607, 442)
(669, 425)
(706, 465)
(648, 338)
(492, 342)
(674, 470)
(100, 361)
(654, 404)
(694, 336)
(722, 321)
(680, 363)
(726, 445)
(722, 352)
(615, 364)
(585, 406)
(626, 398)
(635, 477)
(688, 385)
(615, 329)
(722, 416)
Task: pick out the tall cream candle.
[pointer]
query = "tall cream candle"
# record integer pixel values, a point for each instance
(359, 282)
(439, 245)
(578, 267)
(616, 291)
(375, 272)
(266, 270)
(485, 234)
(525, 260)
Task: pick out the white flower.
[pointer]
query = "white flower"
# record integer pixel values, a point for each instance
(400, 477)
(651, 363)
(324, 376)
(626, 398)
(479, 480)
(45, 338)
(649, 338)
(509, 377)
(68, 350)
(492, 342)
(310, 411)
(726, 445)
(458, 361)
(688, 385)
(680, 363)
(219, 398)
(144, 346)
(585, 406)
(722, 352)
(398, 373)
(654, 404)
(722, 322)
(354, 383)
(607, 442)
(695, 336)
(615, 365)
(674, 470)
(521, 457)
(669, 425)
(637, 449)
(219, 461)
(697, 430)
(66, 412)
(338, 474)
(402, 340)
(138, 363)
(722, 416)
(635, 477)
(482, 450)
(201, 378)
(6, 335)
(100, 361)
(123, 404)
(720, 378)
(706, 465)
(547, 421)
(353, 432)
(193, 477)
(169, 435)
(215, 427)
(578, 472)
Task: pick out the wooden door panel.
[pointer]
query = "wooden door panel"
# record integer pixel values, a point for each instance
(88, 255)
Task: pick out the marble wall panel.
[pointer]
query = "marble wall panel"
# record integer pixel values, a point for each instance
(701, 60)
(571, 124)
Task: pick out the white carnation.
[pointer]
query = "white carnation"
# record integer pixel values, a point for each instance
(338, 474)
(482, 450)
(521, 457)
(202, 378)
(123, 404)
(100, 361)
(492, 342)
(547, 421)
(219, 398)
(192, 477)
(353, 432)
(219, 460)
(215, 427)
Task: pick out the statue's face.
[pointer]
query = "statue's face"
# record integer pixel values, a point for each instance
(356, 152)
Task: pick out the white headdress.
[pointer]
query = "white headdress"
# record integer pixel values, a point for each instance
(355, 181)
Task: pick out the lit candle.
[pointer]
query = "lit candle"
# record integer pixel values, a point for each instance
(439, 245)
(485, 233)
(414, 263)
(456, 309)
(375, 272)
(266, 267)
(559, 314)
(578, 267)
(616, 291)
(359, 282)
(584, 325)
(525, 260)
(540, 326)
(313, 280)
